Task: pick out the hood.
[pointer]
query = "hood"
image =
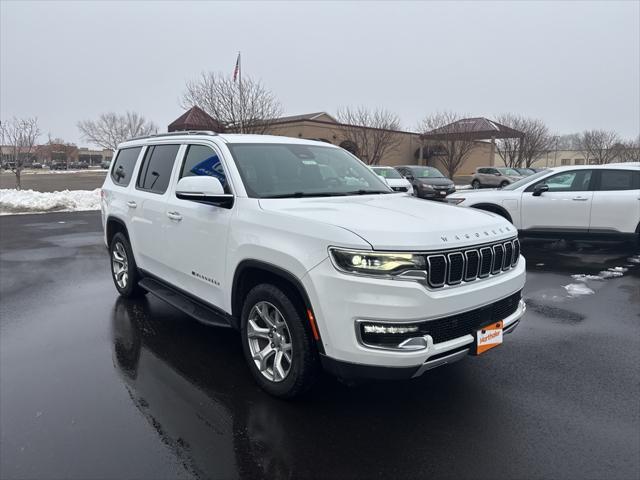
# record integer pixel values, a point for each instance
(397, 222)
(434, 181)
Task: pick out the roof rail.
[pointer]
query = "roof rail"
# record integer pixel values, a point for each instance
(170, 134)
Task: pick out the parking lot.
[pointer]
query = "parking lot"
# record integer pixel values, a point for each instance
(46, 181)
(93, 386)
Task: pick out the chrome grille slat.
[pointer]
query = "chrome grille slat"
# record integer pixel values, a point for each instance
(469, 264)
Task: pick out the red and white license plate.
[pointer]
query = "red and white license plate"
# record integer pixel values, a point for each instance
(488, 337)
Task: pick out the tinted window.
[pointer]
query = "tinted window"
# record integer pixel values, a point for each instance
(201, 160)
(576, 181)
(619, 180)
(124, 164)
(387, 172)
(155, 172)
(427, 172)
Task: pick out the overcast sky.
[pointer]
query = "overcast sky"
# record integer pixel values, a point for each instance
(576, 64)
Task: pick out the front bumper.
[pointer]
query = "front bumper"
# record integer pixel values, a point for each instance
(444, 353)
(341, 302)
(439, 195)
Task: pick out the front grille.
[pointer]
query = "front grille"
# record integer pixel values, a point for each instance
(447, 328)
(470, 264)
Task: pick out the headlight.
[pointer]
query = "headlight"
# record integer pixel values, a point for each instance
(426, 186)
(456, 200)
(376, 263)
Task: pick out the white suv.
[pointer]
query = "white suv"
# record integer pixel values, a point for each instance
(593, 202)
(304, 250)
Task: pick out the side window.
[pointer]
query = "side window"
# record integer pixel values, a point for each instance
(619, 180)
(155, 171)
(482, 170)
(202, 160)
(123, 165)
(576, 181)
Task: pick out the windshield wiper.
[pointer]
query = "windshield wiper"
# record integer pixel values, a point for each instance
(306, 194)
(366, 192)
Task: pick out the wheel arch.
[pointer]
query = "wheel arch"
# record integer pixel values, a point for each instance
(493, 208)
(113, 226)
(250, 273)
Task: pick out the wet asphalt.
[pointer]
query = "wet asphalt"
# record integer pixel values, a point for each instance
(94, 386)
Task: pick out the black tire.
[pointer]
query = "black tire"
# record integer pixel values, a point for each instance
(128, 288)
(504, 184)
(304, 366)
(475, 184)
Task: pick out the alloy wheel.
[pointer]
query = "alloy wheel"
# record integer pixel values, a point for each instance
(269, 341)
(120, 265)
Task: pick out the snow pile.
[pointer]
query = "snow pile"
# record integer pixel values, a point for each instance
(635, 259)
(463, 187)
(577, 289)
(30, 201)
(610, 274)
(581, 277)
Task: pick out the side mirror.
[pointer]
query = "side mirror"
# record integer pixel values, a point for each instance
(539, 189)
(203, 189)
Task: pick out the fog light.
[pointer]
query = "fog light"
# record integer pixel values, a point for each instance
(382, 329)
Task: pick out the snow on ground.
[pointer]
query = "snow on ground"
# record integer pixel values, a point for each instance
(577, 289)
(463, 187)
(581, 277)
(30, 201)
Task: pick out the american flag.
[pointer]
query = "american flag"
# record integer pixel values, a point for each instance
(236, 70)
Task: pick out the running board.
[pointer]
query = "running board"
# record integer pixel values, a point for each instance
(192, 307)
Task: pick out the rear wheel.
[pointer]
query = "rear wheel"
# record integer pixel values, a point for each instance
(278, 348)
(124, 270)
(475, 184)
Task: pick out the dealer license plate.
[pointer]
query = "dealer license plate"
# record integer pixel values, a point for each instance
(488, 337)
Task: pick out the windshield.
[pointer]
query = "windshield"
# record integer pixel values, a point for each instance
(525, 180)
(509, 171)
(426, 172)
(391, 173)
(272, 170)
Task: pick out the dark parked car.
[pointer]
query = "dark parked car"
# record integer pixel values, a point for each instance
(79, 166)
(427, 182)
(58, 166)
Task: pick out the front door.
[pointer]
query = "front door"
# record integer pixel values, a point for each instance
(566, 206)
(197, 233)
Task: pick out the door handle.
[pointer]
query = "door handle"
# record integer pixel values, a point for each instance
(174, 216)
(580, 199)
(132, 204)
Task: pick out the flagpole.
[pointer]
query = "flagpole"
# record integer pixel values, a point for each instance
(240, 91)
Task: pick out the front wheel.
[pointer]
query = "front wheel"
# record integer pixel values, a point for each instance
(278, 348)
(475, 184)
(504, 184)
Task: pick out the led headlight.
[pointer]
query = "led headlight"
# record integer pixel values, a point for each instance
(455, 201)
(376, 263)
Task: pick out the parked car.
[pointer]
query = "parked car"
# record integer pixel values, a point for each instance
(494, 177)
(36, 165)
(314, 270)
(393, 178)
(58, 166)
(105, 164)
(525, 172)
(588, 202)
(427, 182)
(79, 165)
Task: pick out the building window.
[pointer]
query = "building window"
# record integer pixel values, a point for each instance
(579, 161)
(565, 161)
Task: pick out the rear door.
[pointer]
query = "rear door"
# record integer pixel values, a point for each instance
(616, 201)
(197, 232)
(565, 207)
(148, 207)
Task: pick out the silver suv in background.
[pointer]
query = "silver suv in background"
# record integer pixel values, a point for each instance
(494, 177)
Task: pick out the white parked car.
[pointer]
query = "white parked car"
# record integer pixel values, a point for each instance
(303, 249)
(393, 178)
(589, 202)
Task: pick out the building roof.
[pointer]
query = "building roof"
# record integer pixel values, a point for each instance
(478, 128)
(306, 116)
(195, 119)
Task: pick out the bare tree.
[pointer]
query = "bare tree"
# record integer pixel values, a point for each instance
(628, 151)
(523, 151)
(20, 136)
(569, 141)
(373, 132)
(110, 129)
(246, 108)
(599, 146)
(453, 151)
